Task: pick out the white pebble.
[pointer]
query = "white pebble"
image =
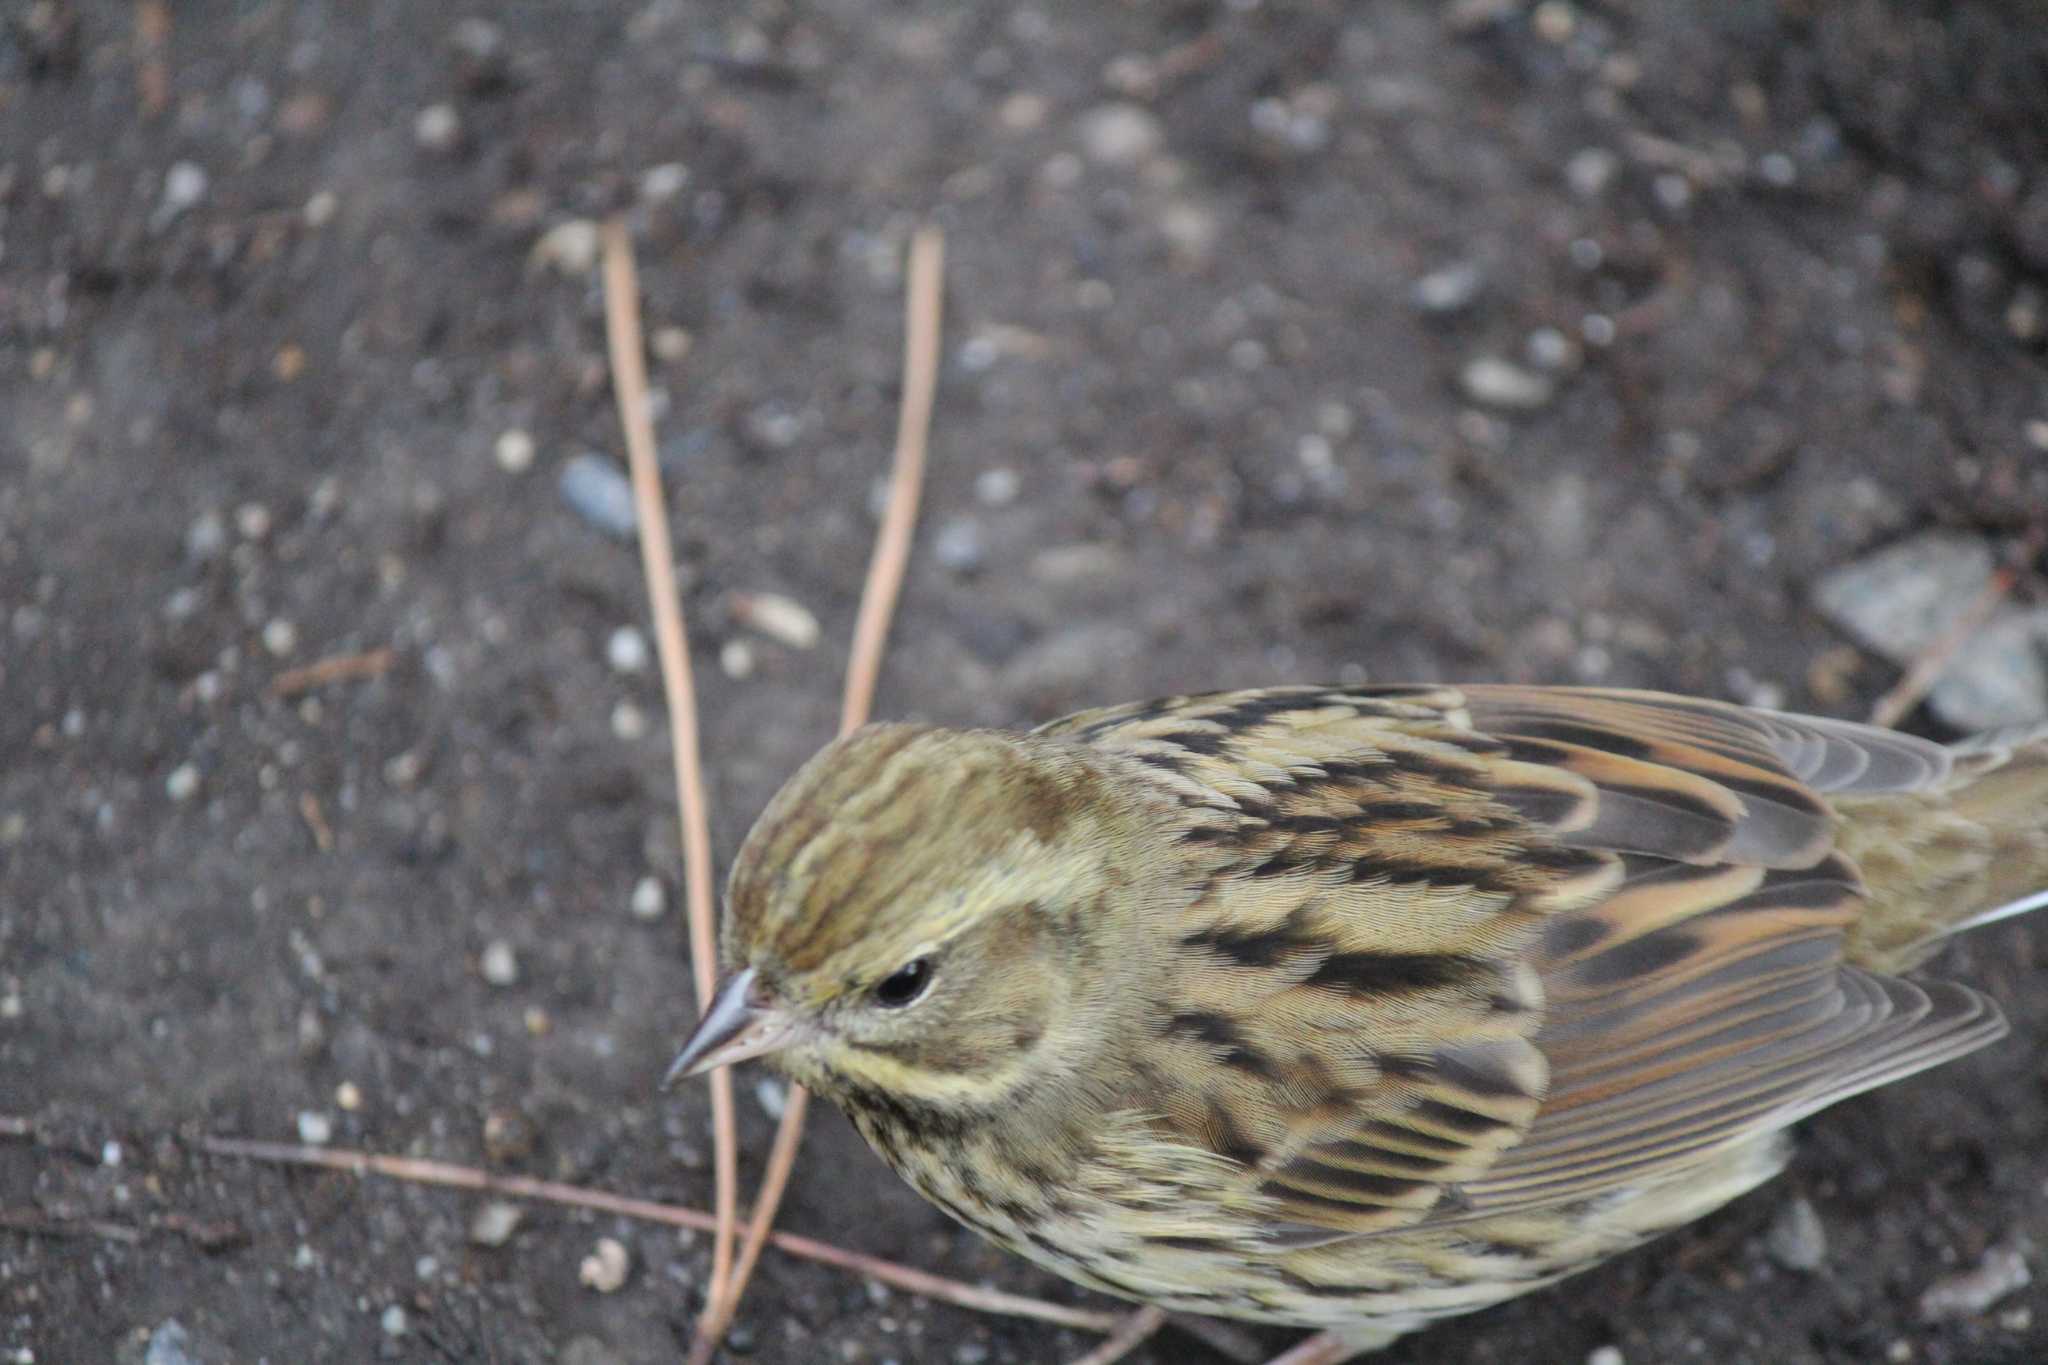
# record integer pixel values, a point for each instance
(184, 186)
(626, 650)
(780, 618)
(1550, 349)
(1120, 134)
(182, 783)
(659, 184)
(495, 1223)
(606, 1267)
(280, 637)
(1590, 169)
(499, 965)
(1449, 289)
(570, 248)
(395, 1322)
(206, 537)
(1501, 383)
(650, 898)
(998, 487)
(320, 208)
(515, 451)
(1605, 1355)
(2002, 1271)
(315, 1128)
(736, 658)
(437, 127)
(773, 1097)
(110, 1153)
(253, 520)
(629, 722)
(348, 1097)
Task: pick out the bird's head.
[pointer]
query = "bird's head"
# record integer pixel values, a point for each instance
(925, 914)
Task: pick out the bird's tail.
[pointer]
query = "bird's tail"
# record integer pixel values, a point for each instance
(1965, 850)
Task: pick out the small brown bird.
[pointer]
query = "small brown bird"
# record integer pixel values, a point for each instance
(1356, 1008)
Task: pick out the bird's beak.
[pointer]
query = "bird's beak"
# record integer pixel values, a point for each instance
(741, 1023)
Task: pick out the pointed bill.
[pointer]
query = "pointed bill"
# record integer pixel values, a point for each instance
(741, 1023)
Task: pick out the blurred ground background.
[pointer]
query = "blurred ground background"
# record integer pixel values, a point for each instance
(1574, 342)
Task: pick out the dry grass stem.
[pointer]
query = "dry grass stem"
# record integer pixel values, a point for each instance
(1128, 1336)
(657, 561)
(922, 309)
(450, 1174)
(371, 663)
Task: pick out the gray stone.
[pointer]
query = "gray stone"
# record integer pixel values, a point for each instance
(598, 492)
(1797, 1241)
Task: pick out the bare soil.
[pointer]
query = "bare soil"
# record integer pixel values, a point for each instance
(258, 349)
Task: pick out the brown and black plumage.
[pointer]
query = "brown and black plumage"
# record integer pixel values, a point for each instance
(1354, 1008)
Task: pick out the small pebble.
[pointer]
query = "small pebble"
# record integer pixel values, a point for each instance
(253, 521)
(514, 450)
(206, 537)
(169, 1344)
(659, 184)
(775, 426)
(650, 898)
(1797, 1240)
(184, 186)
(480, 40)
(182, 783)
(1590, 169)
(626, 650)
(1550, 349)
(394, 1321)
(629, 722)
(597, 490)
(495, 1223)
(1120, 134)
(1449, 289)
(958, 545)
(772, 1096)
(320, 208)
(280, 637)
(998, 487)
(570, 248)
(670, 343)
(315, 1128)
(780, 618)
(110, 1153)
(1021, 112)
(606, 1267)
(437, 127)
(498, 963)
(1501, 383)
(2002, 1271)
(348, 1097)
(736, 659)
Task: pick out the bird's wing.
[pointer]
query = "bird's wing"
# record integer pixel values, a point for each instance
(1466, 951)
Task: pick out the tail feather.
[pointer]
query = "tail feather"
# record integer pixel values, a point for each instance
(1968, 849)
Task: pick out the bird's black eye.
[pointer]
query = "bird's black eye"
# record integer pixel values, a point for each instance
(905, 984)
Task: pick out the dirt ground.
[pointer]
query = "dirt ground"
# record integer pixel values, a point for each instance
(1284, 342)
